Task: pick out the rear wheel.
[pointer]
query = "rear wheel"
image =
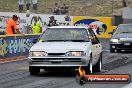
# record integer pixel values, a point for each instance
(34, 71)
(98, 66)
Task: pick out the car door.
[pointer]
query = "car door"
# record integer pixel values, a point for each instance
(96, 47)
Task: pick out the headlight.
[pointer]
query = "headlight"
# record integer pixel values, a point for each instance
(75, 53)
(114, 40)
(37, 53)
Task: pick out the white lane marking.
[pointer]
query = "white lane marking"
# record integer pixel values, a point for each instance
(128, 86)
(23, 68)
(104, 70)
(106, 50)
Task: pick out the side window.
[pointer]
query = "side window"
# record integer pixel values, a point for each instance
(93, 37)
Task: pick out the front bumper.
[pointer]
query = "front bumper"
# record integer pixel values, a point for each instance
(58, 61)
(121, 46)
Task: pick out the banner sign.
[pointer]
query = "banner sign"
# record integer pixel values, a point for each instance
(24, 23)
(11, 46)
(100, 25)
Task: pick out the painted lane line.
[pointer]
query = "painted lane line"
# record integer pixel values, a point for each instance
(128, 86)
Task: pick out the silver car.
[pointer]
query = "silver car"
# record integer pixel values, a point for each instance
(66, 47)
(121, 39)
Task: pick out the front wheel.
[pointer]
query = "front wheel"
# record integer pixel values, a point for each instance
(34, 71)
(98, 66)
(112, 50)
(118, 51)
(89, 69)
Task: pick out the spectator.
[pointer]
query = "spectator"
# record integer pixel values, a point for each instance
(11, 27)
(67, 18)
(124, 3)
(28, 4)
(2, 33)
(64, 9)
(56, 9)
(34, 3)
(36, 27)
(52, 21)
(20, 3)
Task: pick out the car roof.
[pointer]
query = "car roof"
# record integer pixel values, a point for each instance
(68, 27)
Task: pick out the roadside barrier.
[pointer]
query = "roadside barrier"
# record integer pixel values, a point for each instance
(15, 46)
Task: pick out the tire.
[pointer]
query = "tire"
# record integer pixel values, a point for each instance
(98, 66)
(112, 50)
(118, 51)
(34, 71)
(89, 69)
(47, 69)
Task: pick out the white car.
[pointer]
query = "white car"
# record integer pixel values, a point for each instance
(66, 47)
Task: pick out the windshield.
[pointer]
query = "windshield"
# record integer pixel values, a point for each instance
(124, 29)
(65, 34)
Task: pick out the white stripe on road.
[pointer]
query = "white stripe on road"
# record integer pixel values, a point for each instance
(128, 86)
(23, 68)
(106, 50)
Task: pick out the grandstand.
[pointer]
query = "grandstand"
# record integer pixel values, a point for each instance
(76, 7)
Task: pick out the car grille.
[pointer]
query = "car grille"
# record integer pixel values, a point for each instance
(56, 54)
(64, 59)
(122, 46)
(124, 40)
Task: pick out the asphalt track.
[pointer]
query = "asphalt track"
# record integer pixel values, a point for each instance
(16, 74)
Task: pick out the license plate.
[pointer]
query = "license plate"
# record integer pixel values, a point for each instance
(126, 43)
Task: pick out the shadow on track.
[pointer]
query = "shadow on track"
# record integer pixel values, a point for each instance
(57, 73)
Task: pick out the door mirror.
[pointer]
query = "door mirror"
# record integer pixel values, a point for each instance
(35, 41)
(110, 33)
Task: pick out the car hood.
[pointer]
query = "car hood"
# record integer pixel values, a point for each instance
(122, 35)
(60, 47)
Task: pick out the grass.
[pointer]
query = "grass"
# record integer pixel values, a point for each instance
(76, 7)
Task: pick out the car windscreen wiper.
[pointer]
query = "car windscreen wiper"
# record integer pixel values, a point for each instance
(65, 40)
(79, 40)
(52, 40)
(127, 32)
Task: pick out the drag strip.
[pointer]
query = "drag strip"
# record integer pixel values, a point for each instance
(16, 74)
